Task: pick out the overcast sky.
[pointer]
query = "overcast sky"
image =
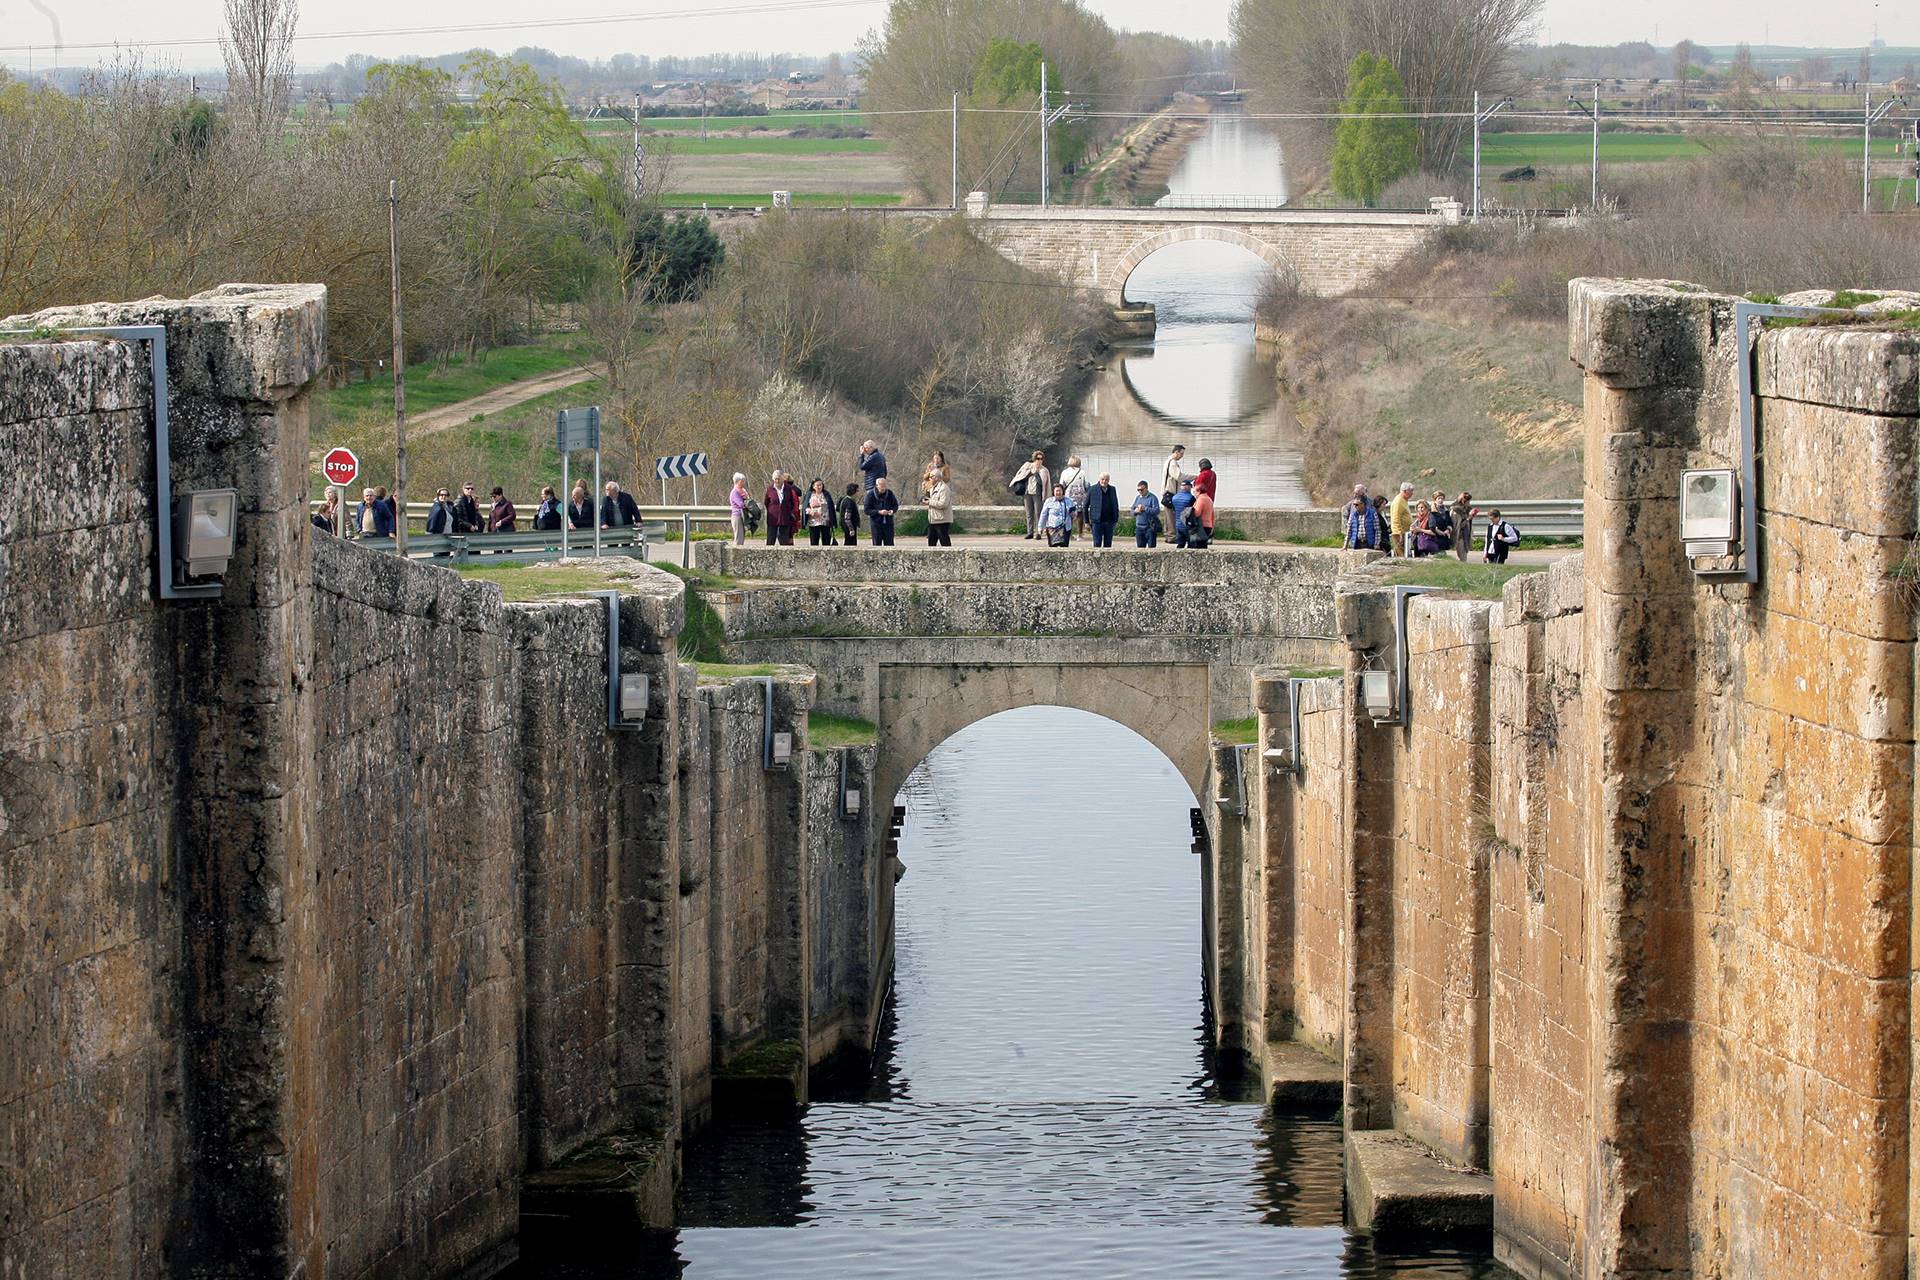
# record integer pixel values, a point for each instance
(825, 25)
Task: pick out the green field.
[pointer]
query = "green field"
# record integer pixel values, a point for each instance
(775, 144)
(761, 199)
(433, 385)
(772, 120)
(1510, 150)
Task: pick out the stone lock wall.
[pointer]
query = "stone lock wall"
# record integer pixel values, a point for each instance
(331, 910)
(1628, 902)
(90, 893)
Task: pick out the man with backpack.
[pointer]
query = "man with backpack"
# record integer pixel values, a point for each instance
(1501, 538)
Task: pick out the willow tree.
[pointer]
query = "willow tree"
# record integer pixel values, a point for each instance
(1374, 143)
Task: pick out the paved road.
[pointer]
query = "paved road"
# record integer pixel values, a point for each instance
(465, 411)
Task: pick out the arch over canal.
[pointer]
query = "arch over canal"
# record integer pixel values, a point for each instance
(1149, 245)
(921, 705)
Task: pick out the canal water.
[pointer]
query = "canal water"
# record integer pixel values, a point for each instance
(1044, 1103)
(1202, 381)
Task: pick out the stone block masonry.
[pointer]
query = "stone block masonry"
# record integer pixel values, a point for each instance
(331, 910)
(1627, 902)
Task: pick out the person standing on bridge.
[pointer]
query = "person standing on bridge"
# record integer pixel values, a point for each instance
(819, 514)
(1173, 471)
(580, 506)
(1103, 510)
(850, 516)
(1501, 538)
(1463, 513)
(1056, 518)
(937, 469)
(1033, 483)
(501, 518)
(940, 513)
(618, 510)
(1146, 517)
(1400, 514)
(873, 465)
(783, 510)
(466, 511)
(1207, 482)
(1181, 504)
(882, 502)
(1440, 521)
(1357, 527)
(1200, 520)
(737, 500)
(1073, 478)
(546, 517)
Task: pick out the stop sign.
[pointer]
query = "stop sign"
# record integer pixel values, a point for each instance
(340, 466)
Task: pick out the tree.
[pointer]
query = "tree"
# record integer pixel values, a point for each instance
(1742, 80)
(1294, 55)
(1375, 145)
(1682, 65)
(1866, 66)
(1815, 70)
(1007, 72)
(258, 50)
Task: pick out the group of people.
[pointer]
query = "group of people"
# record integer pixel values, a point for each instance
(1412, 527)
(377, 515)
(1058, 507)
(832, 520)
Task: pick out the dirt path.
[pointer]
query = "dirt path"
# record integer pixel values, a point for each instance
(464, 411)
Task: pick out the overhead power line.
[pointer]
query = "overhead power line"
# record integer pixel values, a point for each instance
(453, 28)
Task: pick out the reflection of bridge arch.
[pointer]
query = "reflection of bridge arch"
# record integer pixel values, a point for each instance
(1116, 283)
(922, 705)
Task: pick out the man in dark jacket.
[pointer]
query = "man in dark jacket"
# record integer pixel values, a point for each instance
(440, 515)
(466, 511)
(882, 502)
(1103, 510)
(873, 466)
(618, 510)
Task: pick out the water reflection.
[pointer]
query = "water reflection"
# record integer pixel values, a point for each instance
(1043, 1102)
(1203, 381)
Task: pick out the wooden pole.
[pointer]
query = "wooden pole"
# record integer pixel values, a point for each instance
(399, 377)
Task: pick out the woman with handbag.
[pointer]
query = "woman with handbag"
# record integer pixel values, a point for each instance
(1032, 483)
(1056, 518)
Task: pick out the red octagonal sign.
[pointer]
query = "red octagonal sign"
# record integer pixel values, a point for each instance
(340, 466)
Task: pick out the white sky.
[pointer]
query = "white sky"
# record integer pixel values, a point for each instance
(824, 25)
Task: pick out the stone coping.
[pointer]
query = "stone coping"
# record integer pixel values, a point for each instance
(1024, 565)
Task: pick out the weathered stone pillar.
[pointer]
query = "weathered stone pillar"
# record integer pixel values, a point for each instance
(241, 359)
(1658, 366)
(1272, 700)
(1369, 832)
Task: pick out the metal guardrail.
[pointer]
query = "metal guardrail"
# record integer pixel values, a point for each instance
(1541, 517)
(518, 548)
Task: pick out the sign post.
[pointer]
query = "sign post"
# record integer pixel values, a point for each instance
(578, 429)
(340, 468)
(680, 464)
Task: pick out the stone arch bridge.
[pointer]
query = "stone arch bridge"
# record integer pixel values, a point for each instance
(923, 643)
(1328, 252)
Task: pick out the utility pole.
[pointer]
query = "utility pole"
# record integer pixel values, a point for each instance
(1480, 117)
(399, 377)
(956, 152)
(1871, 117)
(1577, 105)
(1043, 135)
(639, 151)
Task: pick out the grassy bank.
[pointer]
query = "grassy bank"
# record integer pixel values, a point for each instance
(438, 383)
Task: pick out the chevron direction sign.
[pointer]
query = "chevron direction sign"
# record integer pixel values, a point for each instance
(680, 465)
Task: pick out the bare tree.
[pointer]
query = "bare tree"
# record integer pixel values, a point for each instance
(258, 48)
(1295, 54)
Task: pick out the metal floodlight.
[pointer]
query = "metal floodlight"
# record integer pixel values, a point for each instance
(1376, 689)
(203, 525)
(633, 698)
(1710, 512)
(850, 802)
(782, 751)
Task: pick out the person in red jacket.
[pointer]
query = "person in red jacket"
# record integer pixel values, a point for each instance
(783, 510)
(1207, 482)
